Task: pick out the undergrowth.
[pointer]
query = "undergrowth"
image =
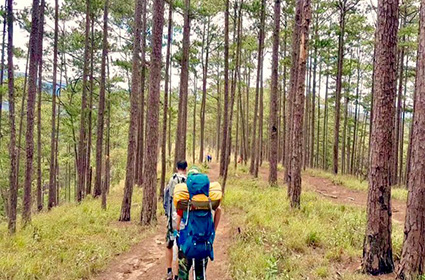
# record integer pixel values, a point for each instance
(71, 241)
(322, 240)
(352, 182)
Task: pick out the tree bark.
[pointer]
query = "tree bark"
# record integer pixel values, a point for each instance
(180, 151)
(325, 125)
(303, 18)
(225, 125)
(166, 93)
(53, 142)
(273, 124)
(13, 175)
(141, 118)
(99, 185)
(339, 84)
(89, 168)
(135, 85)
(255, 139)
(237, 37)
(32, 91)
(292, 88)
(40, 202)
(82, 143)
(149, 204)
(204, 88)
(2, 66)
(413, 253)
(356, 115)
(377, 251)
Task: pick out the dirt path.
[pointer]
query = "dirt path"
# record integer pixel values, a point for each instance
(146, 260)
(340, 194)
(343, 195)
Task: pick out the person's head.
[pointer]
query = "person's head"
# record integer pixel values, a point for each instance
(182, 166)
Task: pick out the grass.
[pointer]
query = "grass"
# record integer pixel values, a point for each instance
(322, 240)
(69, 242)
(354, 183)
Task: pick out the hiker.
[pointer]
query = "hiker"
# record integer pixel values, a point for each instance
(170, 211)
(196, 226)
(209, 158)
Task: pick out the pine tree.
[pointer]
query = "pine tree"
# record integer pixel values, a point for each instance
(377, 251)
(149, 204)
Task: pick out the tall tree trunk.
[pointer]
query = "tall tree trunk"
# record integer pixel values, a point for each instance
(89, 169)
(225, 125)
(325, 125)
(218, 114)
(237, 36)
(180, 151)
(292, 88)
(135, 86)
(101, 112)
(108, 133)
(344, 129)
(377, 251)
(204, 88)
(339, 84)
(40, 202)
(195, 94)
(260, 147)
(402, 126)
(2, 66)
(284, 95)
(255, 139)
(32, 92)
(13, 175)
(313, 97)
(140, 145)
(166, 93)
(397, 139)
(149, 204)
(273, 124)
(318, 118)
(53, 142)
(356, 115)
(303, 9)
(413, 254)
(82, 142)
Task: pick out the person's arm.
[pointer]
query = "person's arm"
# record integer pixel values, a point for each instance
(179, 219)
(217, 217)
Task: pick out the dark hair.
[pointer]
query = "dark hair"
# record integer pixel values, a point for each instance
(182, 165)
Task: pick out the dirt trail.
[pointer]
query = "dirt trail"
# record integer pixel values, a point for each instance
(146, 260)
(340, 194)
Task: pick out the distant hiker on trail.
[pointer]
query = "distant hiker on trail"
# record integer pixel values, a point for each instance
(196, 227)
(209, 158)
(170, 212)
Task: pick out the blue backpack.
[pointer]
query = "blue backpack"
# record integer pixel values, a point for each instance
(197, 238)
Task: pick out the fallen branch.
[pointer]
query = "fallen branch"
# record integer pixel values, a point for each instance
(328, 195)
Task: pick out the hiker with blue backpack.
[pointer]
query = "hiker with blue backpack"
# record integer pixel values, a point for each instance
(196, 225)
(170, 211)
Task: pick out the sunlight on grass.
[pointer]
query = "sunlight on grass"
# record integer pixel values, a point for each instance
(319, 241)
(69, 242)
(354, 183)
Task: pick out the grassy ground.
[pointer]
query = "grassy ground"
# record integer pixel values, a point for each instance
(69, 242)
(321, 240)
(354, 183)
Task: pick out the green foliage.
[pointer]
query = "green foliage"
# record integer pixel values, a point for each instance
(277, 242)
(69, 242)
